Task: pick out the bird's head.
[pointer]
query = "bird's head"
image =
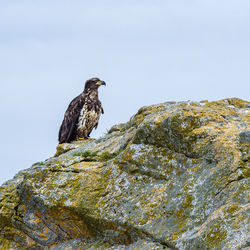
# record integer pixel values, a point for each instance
(93, 83)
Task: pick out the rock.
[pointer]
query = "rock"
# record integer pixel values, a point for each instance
(245, 137)
(174, 177)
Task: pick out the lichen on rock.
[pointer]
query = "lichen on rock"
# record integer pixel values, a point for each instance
(175, 176)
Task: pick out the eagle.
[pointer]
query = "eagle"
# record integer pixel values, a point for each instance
(82, 114)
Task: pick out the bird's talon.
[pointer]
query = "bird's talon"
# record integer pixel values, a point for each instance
(80, 138)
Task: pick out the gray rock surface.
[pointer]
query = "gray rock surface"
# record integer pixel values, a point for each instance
(174, 177)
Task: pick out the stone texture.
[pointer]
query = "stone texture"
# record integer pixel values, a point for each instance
(174, 177)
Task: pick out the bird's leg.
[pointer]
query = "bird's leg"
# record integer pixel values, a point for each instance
(82, 137)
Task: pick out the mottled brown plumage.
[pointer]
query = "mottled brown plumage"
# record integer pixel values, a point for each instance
(82, 114)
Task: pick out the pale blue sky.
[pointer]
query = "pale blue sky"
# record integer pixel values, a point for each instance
(146, 51)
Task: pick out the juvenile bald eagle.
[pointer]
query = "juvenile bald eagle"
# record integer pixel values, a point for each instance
(82, 114)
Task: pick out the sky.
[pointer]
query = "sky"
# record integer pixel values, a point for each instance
(147, 52)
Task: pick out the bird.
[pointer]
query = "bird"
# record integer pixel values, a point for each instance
(82, 114)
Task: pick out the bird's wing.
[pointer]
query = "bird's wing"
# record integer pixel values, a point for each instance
(96, 125)
(68, 128)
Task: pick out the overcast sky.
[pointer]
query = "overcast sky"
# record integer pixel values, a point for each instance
(146, 51)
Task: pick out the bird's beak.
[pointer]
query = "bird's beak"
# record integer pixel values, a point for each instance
(99, 83)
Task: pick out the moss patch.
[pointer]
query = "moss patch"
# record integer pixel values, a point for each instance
(106, 156)
(87, 155)
(93, 156)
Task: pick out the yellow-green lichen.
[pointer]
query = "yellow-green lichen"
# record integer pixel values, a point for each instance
(215, 234)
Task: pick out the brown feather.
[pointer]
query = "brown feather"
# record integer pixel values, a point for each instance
(67, 132)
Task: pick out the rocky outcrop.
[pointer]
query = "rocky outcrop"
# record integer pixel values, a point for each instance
(174, 176)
